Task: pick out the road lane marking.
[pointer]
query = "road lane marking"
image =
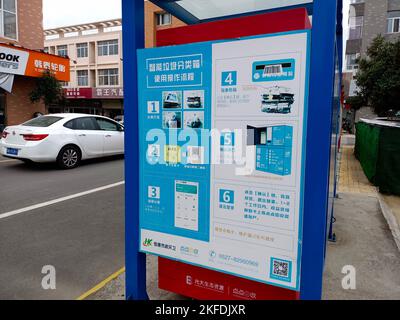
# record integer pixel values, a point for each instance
(55, 201)
(5, 161)
(101, 285)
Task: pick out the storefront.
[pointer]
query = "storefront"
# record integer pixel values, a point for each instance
(19, 68)
(2, 111)
(99, 101)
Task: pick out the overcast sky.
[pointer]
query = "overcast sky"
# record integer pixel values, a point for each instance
(58, 13)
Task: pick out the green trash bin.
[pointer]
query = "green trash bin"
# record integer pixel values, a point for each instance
(378, 150)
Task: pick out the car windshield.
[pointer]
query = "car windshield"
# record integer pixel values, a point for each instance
(42, 122)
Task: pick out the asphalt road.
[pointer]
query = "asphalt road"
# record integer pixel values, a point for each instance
(82, 237)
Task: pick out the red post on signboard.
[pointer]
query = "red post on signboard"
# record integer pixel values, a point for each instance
(196, 282)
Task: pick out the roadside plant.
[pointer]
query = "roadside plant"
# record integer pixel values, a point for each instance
(48, 89)
(378, 77)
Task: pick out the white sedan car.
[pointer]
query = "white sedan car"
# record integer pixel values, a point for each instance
(63, 138)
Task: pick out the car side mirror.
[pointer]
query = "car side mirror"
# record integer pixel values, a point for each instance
(121, 129)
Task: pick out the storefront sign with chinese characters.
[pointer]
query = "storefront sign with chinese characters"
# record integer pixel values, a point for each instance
(20, 61)
(94, 93)
(108, 93)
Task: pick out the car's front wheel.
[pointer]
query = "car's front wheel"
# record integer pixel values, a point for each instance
(69, 157)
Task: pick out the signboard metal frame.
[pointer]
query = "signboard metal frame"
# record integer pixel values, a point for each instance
(326, 31)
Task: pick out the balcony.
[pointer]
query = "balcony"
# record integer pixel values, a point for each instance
(355, 33)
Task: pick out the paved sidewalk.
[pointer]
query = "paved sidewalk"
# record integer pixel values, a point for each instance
(115, 290)
(352, 177)
(390, 206)
(364, 241)
(353, 180)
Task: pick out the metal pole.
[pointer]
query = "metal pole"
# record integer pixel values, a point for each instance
(318, 148)
(339, 45)
(133, 39)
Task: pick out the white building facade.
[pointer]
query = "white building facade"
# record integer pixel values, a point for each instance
(95, 51)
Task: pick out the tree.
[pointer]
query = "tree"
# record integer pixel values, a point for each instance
(378, 78)
(48, 89)
(356, 102)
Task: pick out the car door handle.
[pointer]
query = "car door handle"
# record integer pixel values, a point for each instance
(108, 136)
(82, 135)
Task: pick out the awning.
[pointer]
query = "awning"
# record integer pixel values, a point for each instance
(195, 11)
(30, 63)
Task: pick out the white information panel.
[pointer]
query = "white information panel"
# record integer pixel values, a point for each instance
(237, 209)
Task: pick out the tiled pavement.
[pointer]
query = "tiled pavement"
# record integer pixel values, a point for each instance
(352, 177)
(353, 180)
(376, 280)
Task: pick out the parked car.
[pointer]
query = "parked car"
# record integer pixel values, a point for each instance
(63, 138)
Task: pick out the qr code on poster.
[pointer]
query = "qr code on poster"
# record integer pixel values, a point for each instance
(281, 269)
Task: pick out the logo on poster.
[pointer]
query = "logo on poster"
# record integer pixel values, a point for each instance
(189, 251)
(148, 242)
(189, 280)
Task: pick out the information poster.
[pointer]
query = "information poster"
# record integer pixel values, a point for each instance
(222, 144)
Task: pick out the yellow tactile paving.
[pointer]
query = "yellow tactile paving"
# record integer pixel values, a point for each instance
(352, 178)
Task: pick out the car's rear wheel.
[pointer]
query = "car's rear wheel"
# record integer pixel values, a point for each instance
(69, 157)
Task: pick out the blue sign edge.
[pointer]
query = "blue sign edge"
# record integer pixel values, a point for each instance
(304, 156)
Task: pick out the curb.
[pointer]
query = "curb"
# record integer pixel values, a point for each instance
(101, 285)
(391, 220)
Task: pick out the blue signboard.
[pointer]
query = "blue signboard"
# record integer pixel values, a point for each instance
(222, 140)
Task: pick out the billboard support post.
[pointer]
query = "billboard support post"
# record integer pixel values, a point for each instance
(318, 143)
(133, 35)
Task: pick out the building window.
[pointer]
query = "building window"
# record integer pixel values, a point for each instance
(108, 48)
(62, 51)
(8, 19)
(83, 78)
(46, 50)
(64, 84)
(393, 24)
(163, 19)
(108, 77)
(82, 50)
(352, 61)
(356, 27)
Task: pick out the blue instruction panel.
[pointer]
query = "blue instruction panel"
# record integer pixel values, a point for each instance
(222, 144)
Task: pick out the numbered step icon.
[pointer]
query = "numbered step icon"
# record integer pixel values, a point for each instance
(229, 78)
(226, 196)
(154, 192)
(228, 139)
(153, 107)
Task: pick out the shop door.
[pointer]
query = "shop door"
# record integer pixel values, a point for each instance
(2, 111)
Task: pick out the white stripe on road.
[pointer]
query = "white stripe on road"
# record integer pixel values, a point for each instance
(4, 161)
(55, 201)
